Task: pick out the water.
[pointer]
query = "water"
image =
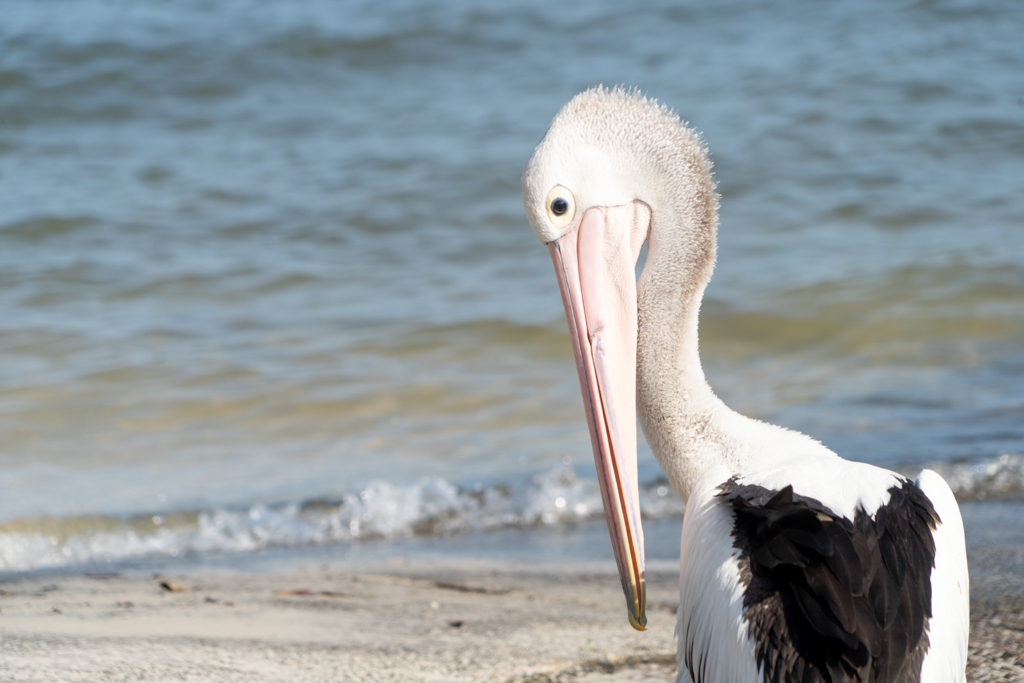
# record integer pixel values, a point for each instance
(266, 283)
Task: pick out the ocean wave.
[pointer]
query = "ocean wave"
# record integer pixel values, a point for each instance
(995, 478)
(381, 511)
(385, 510)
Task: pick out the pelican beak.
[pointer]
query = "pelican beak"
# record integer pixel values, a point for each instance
(595, 266)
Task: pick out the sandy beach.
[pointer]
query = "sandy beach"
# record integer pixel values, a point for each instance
(394, 621)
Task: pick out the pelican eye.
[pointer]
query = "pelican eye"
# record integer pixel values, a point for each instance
(561, 206)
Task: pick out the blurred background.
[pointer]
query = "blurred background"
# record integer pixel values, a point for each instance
(267, 288)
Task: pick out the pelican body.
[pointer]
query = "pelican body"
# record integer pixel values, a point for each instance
(796, 565)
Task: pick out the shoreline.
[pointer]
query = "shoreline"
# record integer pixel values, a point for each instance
(398, 620)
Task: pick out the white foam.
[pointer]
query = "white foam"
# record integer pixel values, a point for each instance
(985, 478)
(384, 510)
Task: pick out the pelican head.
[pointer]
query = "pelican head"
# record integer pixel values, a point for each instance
(613, 167)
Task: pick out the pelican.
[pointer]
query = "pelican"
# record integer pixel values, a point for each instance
(796, 565)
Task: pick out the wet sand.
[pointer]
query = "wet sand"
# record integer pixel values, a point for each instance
(395, 621)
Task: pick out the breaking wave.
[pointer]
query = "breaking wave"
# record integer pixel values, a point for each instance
(383, 511)
(995, 478)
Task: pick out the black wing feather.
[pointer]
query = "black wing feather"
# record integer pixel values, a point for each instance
(834, 600)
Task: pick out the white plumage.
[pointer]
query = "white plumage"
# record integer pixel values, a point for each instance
(711, 633)
(795, 564)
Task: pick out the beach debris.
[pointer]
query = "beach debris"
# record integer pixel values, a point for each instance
(455, 623)
(172, 587)
(305, 592)
(462, 588)
(216, 601)
(4, 591)
(435, 605)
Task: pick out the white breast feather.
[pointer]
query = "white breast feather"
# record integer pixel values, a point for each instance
(710, 621)
(946, 658)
